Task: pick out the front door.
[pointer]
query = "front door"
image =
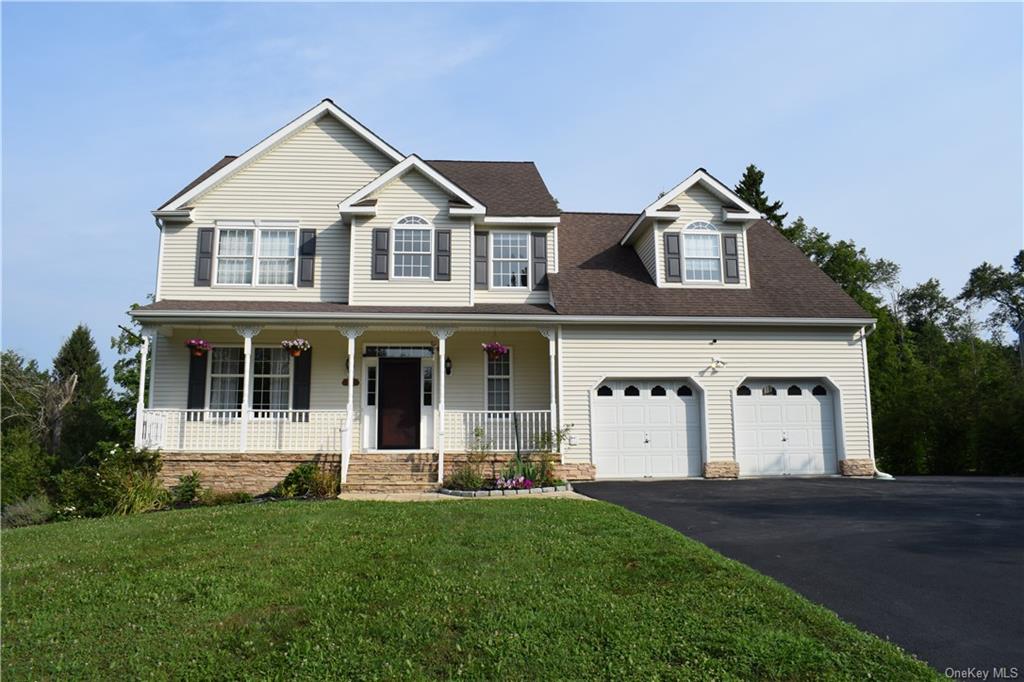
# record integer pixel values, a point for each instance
(398, 404)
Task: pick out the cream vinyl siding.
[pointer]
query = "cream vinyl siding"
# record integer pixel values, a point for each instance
(411, 194)
(591, 354)
(695, 204)
(303, 178)
(648, 252)
(517, 295)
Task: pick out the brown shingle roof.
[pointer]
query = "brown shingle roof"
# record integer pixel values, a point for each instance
(205, 174)
(597, 276)
(300, 307)
(506, 188)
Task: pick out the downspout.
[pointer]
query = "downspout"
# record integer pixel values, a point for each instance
(865, 332)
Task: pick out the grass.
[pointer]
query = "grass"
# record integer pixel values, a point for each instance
(517, 588)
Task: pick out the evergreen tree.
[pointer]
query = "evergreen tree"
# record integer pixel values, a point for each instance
(749, 189)
(85, 424)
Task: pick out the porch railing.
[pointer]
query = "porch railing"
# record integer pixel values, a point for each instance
(312, 431)
(500, 431)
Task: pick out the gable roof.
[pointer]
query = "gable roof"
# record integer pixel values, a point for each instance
(597, 275)
(229, 165)
(506, 188)
(469, 205)
(661, 205)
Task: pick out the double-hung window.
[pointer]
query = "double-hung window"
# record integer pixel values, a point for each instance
(412, 247)
(499, 382)
(510, 259)
(702, 253)
(271, 379)
(227, 368)
(264, 256)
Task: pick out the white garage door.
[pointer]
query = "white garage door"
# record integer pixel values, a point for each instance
(646, 428)
(785, 428)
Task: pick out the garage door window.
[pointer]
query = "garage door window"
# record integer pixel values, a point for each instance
(658, 391)
(794, 390)
(743, 390)
(631, 392)
(769, 390)
(604, 391)
(684, 391)
(819, 390)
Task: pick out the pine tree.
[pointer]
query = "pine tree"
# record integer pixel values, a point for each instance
(749, 189)
(84, 424)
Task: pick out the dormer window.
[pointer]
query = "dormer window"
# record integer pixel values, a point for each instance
(412, 248)
(702, 253)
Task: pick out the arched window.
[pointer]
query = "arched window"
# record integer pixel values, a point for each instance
(743, 390)
(412, 247)
(794, 390)
(631, 391)
(769, 390)
(658, 391)
(604, 391)
(684, 391)
(819, 390)
(702, 253)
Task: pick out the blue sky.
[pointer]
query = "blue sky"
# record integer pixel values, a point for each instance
(897, 126)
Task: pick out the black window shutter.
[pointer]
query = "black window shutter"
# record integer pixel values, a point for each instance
(673, 265)
(539, 252)
(204, 257)
(480, 260)
(307, 257)
(302, 367)
(379, 269)
(197, 384)
(731, 259)
(443, 255)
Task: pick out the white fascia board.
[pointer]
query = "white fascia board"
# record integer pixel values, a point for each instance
(324, 107)
(701, 176)
(522, 220)
(183, 215)
(472, 212)
(192, 315)
(738, 216)
(411, 162)
(357, 210)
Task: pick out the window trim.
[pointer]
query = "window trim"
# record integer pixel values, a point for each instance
(490, 262)
(711, 228)
(393, 247)
(511, 383)
(256, 226)
(252, 375)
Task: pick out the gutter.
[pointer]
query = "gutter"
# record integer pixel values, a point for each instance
(867, 331)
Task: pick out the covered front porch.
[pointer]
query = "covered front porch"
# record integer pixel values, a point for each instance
(357, 389)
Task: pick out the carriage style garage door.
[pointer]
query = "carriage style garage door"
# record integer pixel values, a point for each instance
(646, 428)
(785, 428)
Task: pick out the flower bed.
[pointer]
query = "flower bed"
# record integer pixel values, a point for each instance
(501, 492)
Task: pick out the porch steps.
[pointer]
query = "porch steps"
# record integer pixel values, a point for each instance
(392, 472)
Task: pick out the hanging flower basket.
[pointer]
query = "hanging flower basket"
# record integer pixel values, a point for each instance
(495, 350)
(295, 346)
(199, 347)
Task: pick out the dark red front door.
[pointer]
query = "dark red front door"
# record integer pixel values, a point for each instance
(398, 404)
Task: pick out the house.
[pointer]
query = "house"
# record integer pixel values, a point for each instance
(688, 339)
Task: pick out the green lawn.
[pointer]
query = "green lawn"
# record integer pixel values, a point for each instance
(517, 588)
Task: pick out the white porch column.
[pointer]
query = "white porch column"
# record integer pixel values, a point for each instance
(550, 334)
(247, 333)
(140, 406)
(442, 334)
(350, 333)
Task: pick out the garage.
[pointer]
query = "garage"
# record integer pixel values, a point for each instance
(646, 428)
(786, 428)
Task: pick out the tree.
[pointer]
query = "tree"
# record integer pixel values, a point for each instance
(1005, 289)
(926, 305)
(120, 410)
(749, 189)
(84, 424)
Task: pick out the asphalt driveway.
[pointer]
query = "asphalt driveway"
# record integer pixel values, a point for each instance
(936, 565)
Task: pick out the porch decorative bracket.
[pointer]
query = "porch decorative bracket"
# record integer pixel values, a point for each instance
(442, 332)
(147, 332)
(548, 333)
(248, 331)
(351, 332)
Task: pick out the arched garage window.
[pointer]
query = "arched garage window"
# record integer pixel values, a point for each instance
(819, 390)
(794, 390)
(769, 390)
(604, 391)
(631, 391)
(658, 391)
(684, 391)
(743, 390)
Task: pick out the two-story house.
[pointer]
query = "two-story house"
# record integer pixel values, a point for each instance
(688, 339)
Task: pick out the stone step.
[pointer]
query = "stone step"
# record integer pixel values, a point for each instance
(393, 457)
(393, 468)
(391, 478)
(406, 487)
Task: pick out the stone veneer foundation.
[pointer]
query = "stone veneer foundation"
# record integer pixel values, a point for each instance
(493, 464)
(857, 467)
(725, 468)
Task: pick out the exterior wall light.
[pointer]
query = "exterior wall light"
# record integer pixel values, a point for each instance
(447, 366)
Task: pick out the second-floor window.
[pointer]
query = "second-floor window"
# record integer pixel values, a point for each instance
(702, 253)
(510, 259)
(262, 256)
(412, 247)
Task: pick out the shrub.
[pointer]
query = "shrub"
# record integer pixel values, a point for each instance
(464, 478)
(28, 512)
(187, 490)
(124, 482)
(307, 480)
(211, 498)
(25, 465)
